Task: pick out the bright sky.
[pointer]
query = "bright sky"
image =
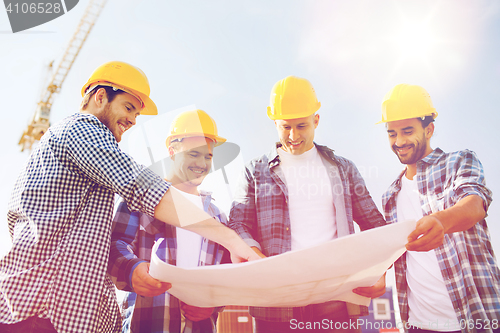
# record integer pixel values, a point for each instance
(224, 57)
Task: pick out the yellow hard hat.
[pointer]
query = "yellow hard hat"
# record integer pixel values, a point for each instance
(125, 77)
(292, 98)
(406, 101)
(194, 123)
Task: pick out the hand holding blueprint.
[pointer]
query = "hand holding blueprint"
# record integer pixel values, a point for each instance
(329, 271)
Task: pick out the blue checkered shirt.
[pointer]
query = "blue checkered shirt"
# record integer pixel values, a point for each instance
(132, 239)
(259, 213)
(468, 264)
(59, 218)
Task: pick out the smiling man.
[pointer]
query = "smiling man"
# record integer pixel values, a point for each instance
(448, 280)
(53, 279)
(193, 135)
(299, 195)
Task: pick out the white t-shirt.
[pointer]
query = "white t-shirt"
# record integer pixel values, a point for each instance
(429, 304)
(310, 200)
(189, 243)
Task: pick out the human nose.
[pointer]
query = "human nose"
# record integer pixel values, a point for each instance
(131, 117)
(131, 120)
(400, 141)
(201, 162)
(294, 135)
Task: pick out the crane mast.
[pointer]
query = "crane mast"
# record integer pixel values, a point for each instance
(39, 123)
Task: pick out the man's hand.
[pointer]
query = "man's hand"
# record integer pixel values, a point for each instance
(460, 217)
(194, 313)
(256, 249)
(240, 251)
(377, 290)
(144, 285)
(431, 233)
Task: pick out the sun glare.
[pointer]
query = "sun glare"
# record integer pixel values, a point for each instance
(415, 41)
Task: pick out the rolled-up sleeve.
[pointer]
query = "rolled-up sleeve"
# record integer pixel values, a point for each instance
(122, 255)
(93, 150)
(470, 180)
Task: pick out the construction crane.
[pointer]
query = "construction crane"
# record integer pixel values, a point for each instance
(39, 123)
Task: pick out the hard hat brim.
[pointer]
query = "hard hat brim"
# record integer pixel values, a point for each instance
(217, 139)
(291, 116)
(149, 108)
(433, 114)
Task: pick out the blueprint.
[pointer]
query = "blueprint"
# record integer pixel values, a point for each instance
(329, 271)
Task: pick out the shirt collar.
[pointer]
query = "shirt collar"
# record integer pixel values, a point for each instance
(205, 194)
(433, 157)
(274, 158)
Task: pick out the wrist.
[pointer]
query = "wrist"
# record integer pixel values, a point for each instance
(232, 240)
(136, 262)
(438, 216)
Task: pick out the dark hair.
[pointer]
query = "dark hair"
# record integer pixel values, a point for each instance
(426, 121)
(110, 94)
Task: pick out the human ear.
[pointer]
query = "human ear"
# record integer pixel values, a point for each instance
(171, 152)
(429, 130)
(100, 97)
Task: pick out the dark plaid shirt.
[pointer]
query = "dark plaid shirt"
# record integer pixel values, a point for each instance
(468, 264)
(259, 213)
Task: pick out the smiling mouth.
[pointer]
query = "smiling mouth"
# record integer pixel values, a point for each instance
(122, 127)
(403, 150)
(198, 172)
(294, 144)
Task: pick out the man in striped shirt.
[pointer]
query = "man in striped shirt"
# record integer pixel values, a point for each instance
(448, 280)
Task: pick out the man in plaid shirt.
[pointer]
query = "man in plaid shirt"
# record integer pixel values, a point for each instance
(54, 276)
(299, 195)
(448, 280)
(148, 308)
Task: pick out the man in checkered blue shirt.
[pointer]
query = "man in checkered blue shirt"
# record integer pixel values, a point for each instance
(54, 277)
(448, 280)
(147, 308)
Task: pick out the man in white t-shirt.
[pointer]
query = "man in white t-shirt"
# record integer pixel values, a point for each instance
(299, 195)
(448, 280)
(147, 306)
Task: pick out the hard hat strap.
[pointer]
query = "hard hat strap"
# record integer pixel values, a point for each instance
(179, 139)
(427, 115)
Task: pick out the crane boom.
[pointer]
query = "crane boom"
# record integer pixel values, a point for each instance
(40, 121)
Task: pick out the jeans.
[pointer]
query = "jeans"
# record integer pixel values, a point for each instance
(30, 325)
(324, 317)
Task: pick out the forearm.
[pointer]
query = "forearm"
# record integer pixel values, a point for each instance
(122, 253)
(463, 215)
(244, 232)
(178, 211)
(430, 230)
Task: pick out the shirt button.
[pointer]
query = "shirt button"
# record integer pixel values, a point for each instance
(287, 229)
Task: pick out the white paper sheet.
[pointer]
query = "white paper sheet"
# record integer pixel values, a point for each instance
(329, 271)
